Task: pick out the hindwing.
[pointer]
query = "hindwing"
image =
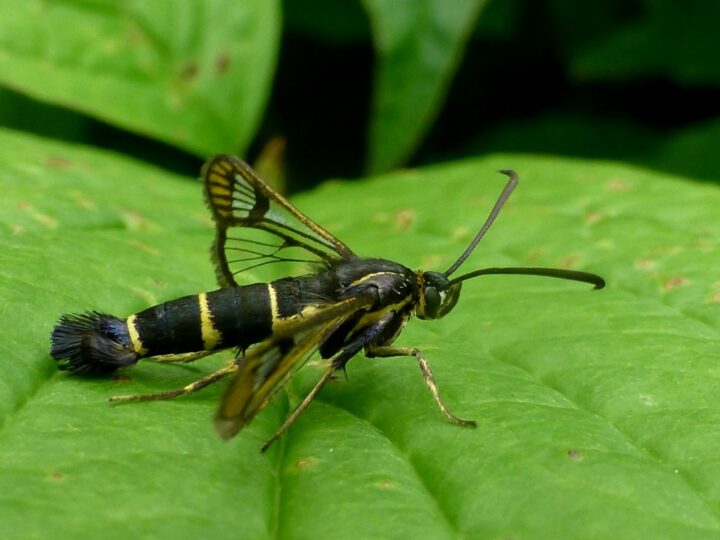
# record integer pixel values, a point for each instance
(241, 201)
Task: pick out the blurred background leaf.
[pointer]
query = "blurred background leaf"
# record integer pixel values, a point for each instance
(367, 83)
(672, 39)
(418, 44)
(175, 71)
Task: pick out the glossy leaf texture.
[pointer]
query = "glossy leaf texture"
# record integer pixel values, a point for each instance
(598, 411)
(194, 74)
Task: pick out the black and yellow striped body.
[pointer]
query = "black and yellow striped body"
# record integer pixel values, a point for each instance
(237, 316)
(348, 306)
(245, 315)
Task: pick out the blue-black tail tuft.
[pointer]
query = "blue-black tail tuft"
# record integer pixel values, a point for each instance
(92, 343)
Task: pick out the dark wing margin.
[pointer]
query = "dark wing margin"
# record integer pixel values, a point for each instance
(266, 367)
(238, 198)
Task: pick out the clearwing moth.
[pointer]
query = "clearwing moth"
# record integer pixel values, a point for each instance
(349, 304)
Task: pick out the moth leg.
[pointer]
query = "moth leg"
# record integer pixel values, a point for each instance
(385, 351)
(180, 357)
(337, 363)
(188, 389)
(299, 409)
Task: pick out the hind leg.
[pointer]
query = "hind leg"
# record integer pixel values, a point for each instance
(188, 389)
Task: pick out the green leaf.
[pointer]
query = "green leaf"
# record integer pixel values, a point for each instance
(195, 74)
(598, 411)
(418, 44)
(673, 39)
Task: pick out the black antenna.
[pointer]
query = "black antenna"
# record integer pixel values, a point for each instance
(512, 182)
(573, 275)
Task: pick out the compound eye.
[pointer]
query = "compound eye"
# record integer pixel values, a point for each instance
(433, 300)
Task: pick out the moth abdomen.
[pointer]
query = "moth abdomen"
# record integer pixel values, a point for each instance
(232, 317)
(97, 343)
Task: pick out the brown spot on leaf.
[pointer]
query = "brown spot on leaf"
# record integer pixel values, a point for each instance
(574, 454)
(534, 256)
(674, 282)
(46, 220)
(645, 263)
(122, 378)
(618, 185)
(189, 71)
(56, 475)
(386, 484)
(594, 217)
(568, 262)
(144, 247)
(705, 244)
(134, 220)
(404, 219)
(81, 200)
(57, 162)
(303, 463)
(647, 400)
(222, 62)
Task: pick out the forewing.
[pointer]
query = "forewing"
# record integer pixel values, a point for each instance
(239, 201)
(267, 366)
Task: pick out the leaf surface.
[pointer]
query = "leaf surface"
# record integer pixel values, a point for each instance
(598, 411)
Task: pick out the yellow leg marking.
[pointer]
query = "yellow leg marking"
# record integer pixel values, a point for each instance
(135, 336)
(180, 357)
(210, 335)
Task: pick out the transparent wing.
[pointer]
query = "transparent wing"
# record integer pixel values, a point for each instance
(270, 364)
(241, 203)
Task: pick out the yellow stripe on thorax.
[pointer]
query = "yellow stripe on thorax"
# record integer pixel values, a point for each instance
(211, 336)
(137, 343)
(368, 277)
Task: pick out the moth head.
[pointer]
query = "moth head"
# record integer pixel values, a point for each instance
(438, 296)
(440, 293)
